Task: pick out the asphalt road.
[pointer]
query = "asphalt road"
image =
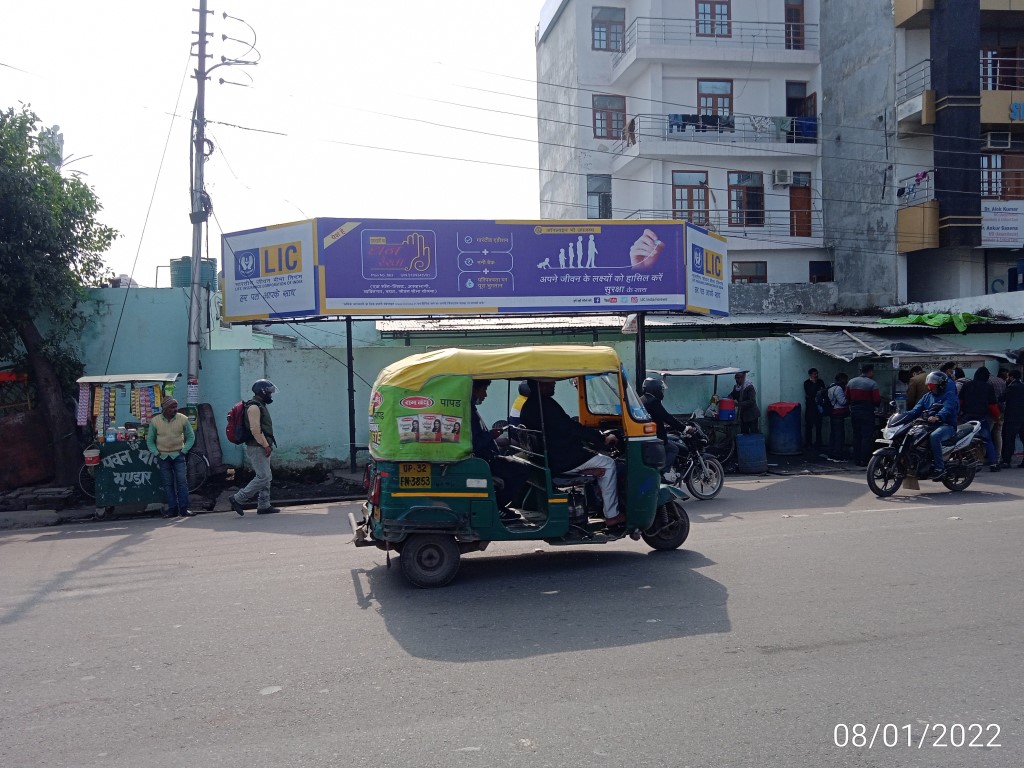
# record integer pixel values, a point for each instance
(799, 608)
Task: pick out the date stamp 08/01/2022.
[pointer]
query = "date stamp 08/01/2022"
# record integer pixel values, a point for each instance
(917, 736)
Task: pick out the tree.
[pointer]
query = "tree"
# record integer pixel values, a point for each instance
(51, 247)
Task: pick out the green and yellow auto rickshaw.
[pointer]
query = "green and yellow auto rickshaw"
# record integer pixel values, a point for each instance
(430, 499)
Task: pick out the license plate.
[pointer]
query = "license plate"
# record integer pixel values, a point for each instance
(414, 474)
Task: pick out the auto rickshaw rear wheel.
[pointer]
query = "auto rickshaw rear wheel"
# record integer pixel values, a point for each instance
(429, 559)
(670, 528)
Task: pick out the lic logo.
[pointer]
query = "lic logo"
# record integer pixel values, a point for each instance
(698, 259)
(247, 265)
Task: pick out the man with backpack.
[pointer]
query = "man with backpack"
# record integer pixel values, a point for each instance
(814, 409)
(258, 448)
(839, 409)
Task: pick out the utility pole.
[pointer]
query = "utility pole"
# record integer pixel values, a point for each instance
(199, 214)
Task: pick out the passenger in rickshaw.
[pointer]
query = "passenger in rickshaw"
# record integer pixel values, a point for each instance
(564, 440)
(510, 476)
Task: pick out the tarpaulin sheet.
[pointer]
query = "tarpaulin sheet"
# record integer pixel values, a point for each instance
(865, 345)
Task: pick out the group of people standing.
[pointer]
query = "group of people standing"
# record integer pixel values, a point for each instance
(996, 402)
(855, 399)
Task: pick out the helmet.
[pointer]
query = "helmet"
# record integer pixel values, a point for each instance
(264, 389)
(654, 387)
(938, 379)
(524, 388)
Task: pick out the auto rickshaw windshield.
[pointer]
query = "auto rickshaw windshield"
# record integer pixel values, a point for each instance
(603, 397)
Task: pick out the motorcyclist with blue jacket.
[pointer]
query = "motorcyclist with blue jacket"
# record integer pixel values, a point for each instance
(941, 393)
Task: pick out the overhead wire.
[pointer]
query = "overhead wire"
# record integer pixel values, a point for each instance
(149, 210)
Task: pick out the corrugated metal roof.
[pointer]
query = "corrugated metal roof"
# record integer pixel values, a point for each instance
(597, 322)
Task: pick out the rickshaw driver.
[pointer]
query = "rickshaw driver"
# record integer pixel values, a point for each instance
(513, 476)
(564, 439)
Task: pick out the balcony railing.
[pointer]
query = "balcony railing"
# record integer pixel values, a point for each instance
(778, 35)
(718, 129)
(916, 189)
(999, 74)
(776, 223)
(914, 81)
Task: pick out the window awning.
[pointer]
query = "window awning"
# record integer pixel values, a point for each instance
(903, 350)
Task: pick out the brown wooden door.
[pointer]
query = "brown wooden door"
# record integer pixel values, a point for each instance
(800, 212)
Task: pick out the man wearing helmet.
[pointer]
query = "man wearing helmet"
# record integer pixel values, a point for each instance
(258, 448)
(652, 392)
(941, 392)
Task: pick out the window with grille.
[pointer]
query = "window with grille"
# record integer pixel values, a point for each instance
(609, 116)
(714, 18)
(750, 271)
(599, 196)
(714, 97)
(690, 196)
(746, 199)
(607, 28)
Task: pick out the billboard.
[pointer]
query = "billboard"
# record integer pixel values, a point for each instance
(483, 267)
(269, 272)
(393, 266)
(707, 265)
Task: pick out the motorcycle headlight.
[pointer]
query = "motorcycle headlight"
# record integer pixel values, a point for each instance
(889, 432)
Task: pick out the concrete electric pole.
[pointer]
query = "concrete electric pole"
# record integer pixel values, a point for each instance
(200, 212)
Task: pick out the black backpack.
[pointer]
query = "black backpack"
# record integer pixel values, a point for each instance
(823, 401)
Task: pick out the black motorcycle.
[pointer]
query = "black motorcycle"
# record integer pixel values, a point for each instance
(700, 471)
(907, 453)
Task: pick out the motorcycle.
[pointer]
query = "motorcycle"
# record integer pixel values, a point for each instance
(906, 455)
(702, 473)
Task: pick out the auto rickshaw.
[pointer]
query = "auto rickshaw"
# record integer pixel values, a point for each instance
(430, 500)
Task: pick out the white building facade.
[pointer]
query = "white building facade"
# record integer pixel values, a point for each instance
(697, 110)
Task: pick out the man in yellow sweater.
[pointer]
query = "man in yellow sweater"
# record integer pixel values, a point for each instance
(169, 438)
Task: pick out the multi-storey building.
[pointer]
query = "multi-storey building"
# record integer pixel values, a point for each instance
(959, 150)
(850, 151)
(697, 110)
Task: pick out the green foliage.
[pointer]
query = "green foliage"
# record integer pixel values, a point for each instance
(51, 244)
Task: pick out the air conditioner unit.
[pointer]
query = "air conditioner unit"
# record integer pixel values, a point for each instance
(997, 140)
(782, 177)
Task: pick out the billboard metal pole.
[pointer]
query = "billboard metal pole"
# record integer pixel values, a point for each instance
(349, 364)
(641, 350)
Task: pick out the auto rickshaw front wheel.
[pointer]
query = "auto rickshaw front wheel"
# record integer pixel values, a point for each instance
(670, 528)
(429, 559)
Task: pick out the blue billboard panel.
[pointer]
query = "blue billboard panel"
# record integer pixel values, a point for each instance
(386, 266)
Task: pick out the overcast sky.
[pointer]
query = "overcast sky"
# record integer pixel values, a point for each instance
(386, 109)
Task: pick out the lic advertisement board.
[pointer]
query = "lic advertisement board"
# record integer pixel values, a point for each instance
(269, 272)
(392, 266)
(707, 262)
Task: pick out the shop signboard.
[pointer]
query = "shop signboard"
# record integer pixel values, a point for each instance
(1001, 223)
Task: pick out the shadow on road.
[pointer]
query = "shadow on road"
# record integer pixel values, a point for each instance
(547, 601)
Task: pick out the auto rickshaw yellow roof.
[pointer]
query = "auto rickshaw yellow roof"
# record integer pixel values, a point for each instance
(549, 362)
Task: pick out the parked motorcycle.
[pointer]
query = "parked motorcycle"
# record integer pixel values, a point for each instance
(907, 453)
(700, 471)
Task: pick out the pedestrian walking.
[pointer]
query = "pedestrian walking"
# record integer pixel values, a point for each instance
(258, 448)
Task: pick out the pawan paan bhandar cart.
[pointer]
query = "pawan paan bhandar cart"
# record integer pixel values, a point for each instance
(431, 500)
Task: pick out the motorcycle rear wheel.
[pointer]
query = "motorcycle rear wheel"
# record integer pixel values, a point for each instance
(706, 484)
(884, 475)
(958, 477)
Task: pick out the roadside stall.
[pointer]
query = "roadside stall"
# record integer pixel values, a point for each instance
(117, 410)
(718, 417)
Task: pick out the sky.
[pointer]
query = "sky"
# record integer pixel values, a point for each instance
(385, 109)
